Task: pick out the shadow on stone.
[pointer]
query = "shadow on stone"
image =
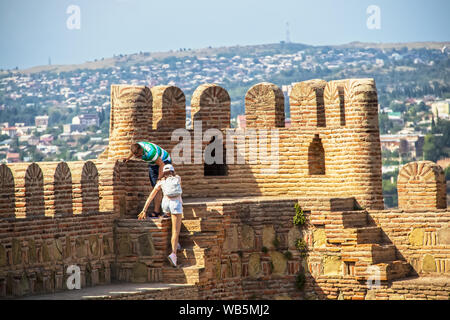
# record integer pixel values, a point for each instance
(7, 197)
(89, 188)
(34, 191)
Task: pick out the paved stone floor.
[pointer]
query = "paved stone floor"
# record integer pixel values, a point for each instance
(98, 292)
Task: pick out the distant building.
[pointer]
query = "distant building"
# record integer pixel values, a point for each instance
(441, 109)
(407, 145)
(41, 121)
(25, 130)
(33, 141)
(86, 120)
(10, 131)
(12, 157)
(24, 138)
(46, 139)
(83, 155)
(47, 149)
(69, 128)
(396, 117)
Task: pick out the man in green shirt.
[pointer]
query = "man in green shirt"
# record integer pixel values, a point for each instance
(157, 157)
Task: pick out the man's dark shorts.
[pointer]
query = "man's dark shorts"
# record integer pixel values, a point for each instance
(153, 171)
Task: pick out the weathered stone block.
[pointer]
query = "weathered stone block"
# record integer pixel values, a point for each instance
(332, 265)
(68, 248)
(416, 236)
(32, 253)
(16, 252)
(268, 236)
(124, 246)
(444, 235)
(139, 272)
(81, 248)
(231, 239)
(94, 246)
(428, 263)
(106, 245)
(293, 234)
(279, 263)
(247, 237)
(254, 265)
(47, 254)
(146, 247)
(3, 261)
(57, 249)
(319, 238)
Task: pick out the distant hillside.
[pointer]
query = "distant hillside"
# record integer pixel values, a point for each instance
(131, 59)
(275, 48)
(399, 45)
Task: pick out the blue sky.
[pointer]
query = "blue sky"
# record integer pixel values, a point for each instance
(31, 31)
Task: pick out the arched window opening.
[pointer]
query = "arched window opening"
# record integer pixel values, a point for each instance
(217, 168)
(316, 157)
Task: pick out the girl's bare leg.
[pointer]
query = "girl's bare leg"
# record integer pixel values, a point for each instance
(158, 200)
(176, 226)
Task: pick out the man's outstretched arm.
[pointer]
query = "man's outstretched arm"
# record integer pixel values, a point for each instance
(150, 198)
(160, 163)
(130, 155)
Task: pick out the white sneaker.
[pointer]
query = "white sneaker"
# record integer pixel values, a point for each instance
(172, 259)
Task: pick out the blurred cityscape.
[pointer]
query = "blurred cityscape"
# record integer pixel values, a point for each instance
(54, 113)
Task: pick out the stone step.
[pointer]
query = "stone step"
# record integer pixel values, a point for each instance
(198, 239)
(368, 254)
(343, 204)
(144, 225)
(117, 291)
(349, 219)
(368, 235)
(198, 210)
(383, 271)
(192, 256)
(352, 236)
(183, 274)
(201, 225)
(340, 219)
(395, 270)
(383, 253)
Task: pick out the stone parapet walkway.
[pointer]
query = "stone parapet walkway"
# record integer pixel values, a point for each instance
(114, 291)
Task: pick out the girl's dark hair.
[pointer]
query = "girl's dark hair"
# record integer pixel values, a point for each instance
(135, 147)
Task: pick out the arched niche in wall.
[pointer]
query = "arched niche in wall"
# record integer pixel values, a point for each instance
(316, 157)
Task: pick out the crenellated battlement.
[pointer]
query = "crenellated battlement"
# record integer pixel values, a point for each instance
(334, 124)
(313, 103)
(57, 189)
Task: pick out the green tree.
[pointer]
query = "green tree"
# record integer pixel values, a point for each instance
(385, 123)
(430, 149)
(54, 118)
(447, 173)
(397, 107)
(35, 154)
(14, 146)
(433, 125)
(83, 140)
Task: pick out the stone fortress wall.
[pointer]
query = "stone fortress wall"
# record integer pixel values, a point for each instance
(333, 143)
(237, 227)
